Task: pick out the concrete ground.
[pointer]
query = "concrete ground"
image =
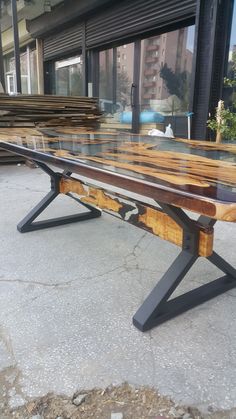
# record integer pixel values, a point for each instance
(67, 297)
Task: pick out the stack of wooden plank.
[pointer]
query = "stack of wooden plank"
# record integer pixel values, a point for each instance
(46, 110)
(6, 157)
(49, 110)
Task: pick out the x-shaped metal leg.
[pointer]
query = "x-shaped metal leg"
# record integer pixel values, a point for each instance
(156, 309)
(28, 223)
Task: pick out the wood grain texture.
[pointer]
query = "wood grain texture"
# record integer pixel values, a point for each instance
(208, 145)
(151, 219)
(194, 175)
(90, 195)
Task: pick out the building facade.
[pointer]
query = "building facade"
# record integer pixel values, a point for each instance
(145, 60)
(27, 51)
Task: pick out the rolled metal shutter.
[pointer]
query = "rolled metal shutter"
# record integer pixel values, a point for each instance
(135, 17)
(62, 43)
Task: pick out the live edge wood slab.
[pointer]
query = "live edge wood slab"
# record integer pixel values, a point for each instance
(169, 176)
(146, 217)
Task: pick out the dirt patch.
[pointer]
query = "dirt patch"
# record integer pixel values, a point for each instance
(128, 401)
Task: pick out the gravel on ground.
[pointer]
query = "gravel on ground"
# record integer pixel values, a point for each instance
(125, 401)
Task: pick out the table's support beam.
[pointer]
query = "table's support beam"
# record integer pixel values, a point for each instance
(152, 219)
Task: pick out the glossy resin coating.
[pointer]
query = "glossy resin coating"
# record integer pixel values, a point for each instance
(195, 175)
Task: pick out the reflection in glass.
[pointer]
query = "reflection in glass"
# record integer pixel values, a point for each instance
(166, 67)
(229, 94)
(69, 80)
(115, 79)
(106, 80)
(124, 69)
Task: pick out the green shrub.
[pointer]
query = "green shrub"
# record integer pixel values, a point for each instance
(227, 126)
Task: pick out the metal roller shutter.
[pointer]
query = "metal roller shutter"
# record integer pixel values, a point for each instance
(131, 18)
(63, 42)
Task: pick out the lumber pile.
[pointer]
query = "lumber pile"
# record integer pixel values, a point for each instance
(49, 110)
(6, 157)
(46, 111)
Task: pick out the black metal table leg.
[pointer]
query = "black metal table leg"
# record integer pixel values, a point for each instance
(156, 309)
(150, 313)
(28, 223)
(224, 266)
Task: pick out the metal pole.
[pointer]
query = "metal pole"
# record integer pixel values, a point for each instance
(16, 45)
(28, 70)
(2, 77)
(84, 63)
(135, 100)
(114, 80)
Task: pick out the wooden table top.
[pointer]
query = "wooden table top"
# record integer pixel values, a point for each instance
(195, 175)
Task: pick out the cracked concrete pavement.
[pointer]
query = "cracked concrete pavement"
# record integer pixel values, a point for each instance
(67, 297)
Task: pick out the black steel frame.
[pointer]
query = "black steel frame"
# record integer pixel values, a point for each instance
(157, 308)
(28, 223)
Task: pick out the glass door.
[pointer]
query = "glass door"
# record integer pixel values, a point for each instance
(68, 77)
(116, 67)
(11, 82)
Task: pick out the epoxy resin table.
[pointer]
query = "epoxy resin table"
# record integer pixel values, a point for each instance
(177, 175)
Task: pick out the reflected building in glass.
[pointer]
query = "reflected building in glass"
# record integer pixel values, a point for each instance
(166, 61)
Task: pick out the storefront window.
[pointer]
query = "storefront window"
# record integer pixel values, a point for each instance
(28, 71)
(165, 77)
(69, 80)
(165, 63)
(229, 92)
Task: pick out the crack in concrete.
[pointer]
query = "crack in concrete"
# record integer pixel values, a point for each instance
(23, 281)
(25, 188)
(57, 286)
(60, 284)
(137, 245)
(133, 254)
